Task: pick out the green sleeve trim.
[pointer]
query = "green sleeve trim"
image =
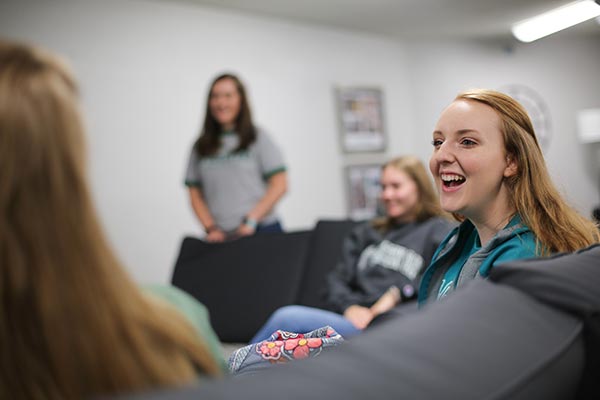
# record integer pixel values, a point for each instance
(269, 174)
(192, 184)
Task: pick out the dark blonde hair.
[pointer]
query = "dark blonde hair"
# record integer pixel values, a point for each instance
(428, 205)
(73, 324)
(556, 225)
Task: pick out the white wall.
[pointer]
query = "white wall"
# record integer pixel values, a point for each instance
(144, 67)
(562, 70)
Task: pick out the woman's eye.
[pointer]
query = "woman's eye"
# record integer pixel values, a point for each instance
(467, 142)
(436, 142)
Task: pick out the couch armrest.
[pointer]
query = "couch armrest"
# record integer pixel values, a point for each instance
(325, 250)
(486, 341)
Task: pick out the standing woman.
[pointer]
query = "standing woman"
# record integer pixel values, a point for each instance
(73, 325)
(236, 173)
(491, 174)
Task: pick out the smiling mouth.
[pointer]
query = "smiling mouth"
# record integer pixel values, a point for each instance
(452, 180)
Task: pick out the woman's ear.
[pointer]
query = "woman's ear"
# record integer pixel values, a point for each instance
(511, 166)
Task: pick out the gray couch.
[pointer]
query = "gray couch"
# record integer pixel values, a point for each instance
(531, 331)
(243, 281)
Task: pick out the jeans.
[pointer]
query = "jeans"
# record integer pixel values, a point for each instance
(302, 319)
(274, 227)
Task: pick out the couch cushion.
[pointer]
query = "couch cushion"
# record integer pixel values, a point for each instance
(243, 281)
(325, 251)
(486, 341)
(569, 282)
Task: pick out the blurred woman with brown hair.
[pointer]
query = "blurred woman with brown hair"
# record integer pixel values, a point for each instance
(381, 260)
(72, 323)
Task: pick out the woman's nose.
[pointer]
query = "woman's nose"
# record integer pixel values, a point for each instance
(443, 153)
(386, 193)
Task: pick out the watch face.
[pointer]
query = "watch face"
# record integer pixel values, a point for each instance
(537, 110)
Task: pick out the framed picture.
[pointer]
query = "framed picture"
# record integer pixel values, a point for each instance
(361, 119)
(363, 188)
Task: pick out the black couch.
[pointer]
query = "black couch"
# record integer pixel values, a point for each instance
(531, 331)
(243, 281)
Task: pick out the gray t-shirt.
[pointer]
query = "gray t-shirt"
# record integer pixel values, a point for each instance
(232, 183)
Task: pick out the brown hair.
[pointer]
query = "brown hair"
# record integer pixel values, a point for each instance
(556, 225)
(428, 205)
(73, 324)
(209, 141)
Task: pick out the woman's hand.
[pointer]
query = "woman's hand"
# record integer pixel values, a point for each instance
(215, 235)
(359, 316)
(386, 302)
(245, 230)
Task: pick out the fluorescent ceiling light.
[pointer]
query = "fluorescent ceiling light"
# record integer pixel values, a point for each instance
(556, 20)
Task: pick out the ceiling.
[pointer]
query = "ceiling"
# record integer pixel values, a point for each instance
(407, 19)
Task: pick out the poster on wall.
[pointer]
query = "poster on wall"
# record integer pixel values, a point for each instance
(362, 182)
(360, 116)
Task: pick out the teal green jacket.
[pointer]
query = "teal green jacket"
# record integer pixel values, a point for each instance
(513, 242)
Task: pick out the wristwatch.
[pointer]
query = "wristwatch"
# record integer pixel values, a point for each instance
(251, 222)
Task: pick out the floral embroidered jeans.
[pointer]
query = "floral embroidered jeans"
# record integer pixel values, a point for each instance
(282, 347)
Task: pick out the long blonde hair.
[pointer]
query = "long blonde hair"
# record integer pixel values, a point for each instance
(428, 205)
(72, 323)
(556, 225)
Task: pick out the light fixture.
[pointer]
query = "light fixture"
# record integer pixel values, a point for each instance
(588, 125)
(556, 20)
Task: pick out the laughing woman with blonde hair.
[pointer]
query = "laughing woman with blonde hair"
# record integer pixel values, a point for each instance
(491, 174)
(72, 323)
